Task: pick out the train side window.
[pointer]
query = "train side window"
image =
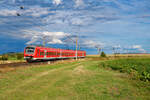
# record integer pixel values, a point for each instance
(47, 53)
(42, 53)
(50, 53)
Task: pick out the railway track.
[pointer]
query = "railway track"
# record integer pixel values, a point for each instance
(24, 64)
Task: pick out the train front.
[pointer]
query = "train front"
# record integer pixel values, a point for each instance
(29, 53)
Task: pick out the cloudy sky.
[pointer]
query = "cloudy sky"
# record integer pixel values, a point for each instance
(120, 24)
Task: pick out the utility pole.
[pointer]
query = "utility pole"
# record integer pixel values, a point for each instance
(44, 41)
(77, 48)
(114, 51)
(99, 51)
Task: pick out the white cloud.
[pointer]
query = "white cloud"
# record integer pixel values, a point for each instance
(55, 41)
(92, 44)
(136, 46)
(71, 18)
(117, 46)
(139, 48)
(8, 12)
(36, 11)
(58, 38)
(76, 21)
(142, 50)
(57, 2)
(49, 37)
(79, 3)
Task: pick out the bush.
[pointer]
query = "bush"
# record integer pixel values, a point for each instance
(103, 54)
(145, 76)
(136, 68)
(12, 55)
(19, 56)
(4, 57)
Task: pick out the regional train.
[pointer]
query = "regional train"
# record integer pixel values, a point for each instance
(40, 53)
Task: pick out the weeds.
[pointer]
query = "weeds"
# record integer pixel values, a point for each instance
(137, 68)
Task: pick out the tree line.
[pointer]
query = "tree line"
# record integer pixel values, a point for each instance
(11, 56)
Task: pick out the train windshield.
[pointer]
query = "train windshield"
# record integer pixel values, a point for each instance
(30, 50)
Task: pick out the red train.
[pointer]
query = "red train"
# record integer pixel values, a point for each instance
(33, 53)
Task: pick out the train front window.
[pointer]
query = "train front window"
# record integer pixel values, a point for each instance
(30, 50)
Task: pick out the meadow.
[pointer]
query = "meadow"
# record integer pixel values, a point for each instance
(92, 78)
(139, 68)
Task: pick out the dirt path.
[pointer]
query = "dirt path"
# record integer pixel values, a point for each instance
(39, 75)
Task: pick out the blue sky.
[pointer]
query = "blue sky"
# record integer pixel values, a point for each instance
(121, 24)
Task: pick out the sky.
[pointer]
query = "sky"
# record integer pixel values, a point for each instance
(113, 25)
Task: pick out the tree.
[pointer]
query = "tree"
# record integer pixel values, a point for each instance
(0, 57)
(19, 56)
(103, 54)
(4, 57)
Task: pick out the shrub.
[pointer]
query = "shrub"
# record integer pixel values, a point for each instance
(12, 55)
(103, 54)
(19, 56)
(145, 76)
(4, 57)
(138, 68)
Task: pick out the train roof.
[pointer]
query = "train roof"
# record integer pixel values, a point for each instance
(39, 46)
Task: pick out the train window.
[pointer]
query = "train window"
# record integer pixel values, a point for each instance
(51, 53)
(41, 53)
(55, 53)
(47, 53)
(30, 50)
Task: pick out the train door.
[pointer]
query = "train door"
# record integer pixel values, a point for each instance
(45, 52)
(83, 54)
(60, 53)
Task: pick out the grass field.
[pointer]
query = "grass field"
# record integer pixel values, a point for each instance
(138, 67)
(79, 80)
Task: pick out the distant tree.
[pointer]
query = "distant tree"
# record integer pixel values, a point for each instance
(0, 57)
(11, 55)
(19, 56)
(103, 54)
(4, 57)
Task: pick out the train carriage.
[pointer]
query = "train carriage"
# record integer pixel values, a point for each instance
(33, 53)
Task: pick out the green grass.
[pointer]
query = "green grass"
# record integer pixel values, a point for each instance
(81, 80)
(138, 67)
